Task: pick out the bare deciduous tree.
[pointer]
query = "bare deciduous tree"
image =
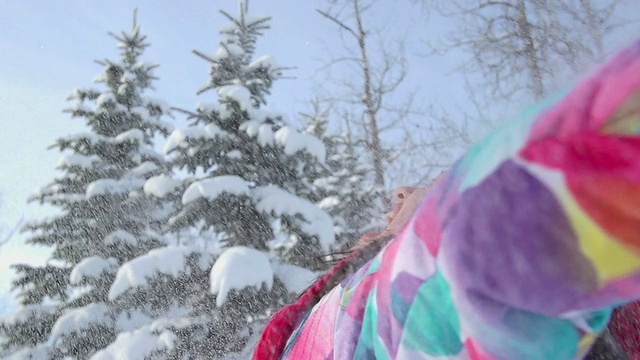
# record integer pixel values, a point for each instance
(597, 19)
(366, 97)
(521, 46)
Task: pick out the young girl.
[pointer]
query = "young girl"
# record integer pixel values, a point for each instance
(521, 251)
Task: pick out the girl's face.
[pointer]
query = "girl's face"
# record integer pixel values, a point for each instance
(406, 200)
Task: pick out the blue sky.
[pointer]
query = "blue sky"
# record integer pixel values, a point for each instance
(48, 48)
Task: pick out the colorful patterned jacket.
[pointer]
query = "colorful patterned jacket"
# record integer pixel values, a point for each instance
(521, 251)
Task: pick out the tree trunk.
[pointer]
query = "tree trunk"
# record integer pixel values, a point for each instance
(374, 140)
(524, 27)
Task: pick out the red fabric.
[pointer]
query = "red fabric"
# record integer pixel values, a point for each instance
(625, 328)
(282, 324)
(275, 335)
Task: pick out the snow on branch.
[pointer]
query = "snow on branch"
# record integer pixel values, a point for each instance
(92, 268)
(261, 130)
(295, 278)
(179, 137)
(139, 344)
(237, 268)
(290, 139)
(104, 98)
(212, 188)
(113, 186)
(78, 160)
(271, 198)
(144, 168)
(238, 93)
(120, 237)
(27, 313)
(79, 319)
(142, 112)
(137, 272)
(160, 185)
(329, 202)
(224, 51)
(40, 351)
(263, 61)
(294, 141)
(130, 135)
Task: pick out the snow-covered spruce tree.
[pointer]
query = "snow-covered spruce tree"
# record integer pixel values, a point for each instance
(343, 184)
(248, 165)
(105, 217)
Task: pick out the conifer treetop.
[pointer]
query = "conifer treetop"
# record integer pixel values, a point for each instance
(234, 63)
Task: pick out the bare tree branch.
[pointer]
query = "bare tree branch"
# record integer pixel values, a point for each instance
(338, 22)
(373, 74)
(519, 46)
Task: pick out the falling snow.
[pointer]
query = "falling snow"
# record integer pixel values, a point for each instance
(137, 258)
